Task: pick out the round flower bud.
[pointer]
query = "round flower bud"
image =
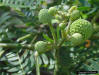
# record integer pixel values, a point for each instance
(62, 25)
(42, 46)
(75, 15)
(44, 16)
(52, 11)
(76, 39)
(83, 27)
(72, 9)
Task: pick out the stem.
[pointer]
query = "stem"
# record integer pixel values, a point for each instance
(63, 33)
(55, 40)
(54, 37)
(60, 67)
(53, 32)
(1, 52)
(16, 45)
(56, 62)
(68, 26)
(37, 64)
(33, 40)
(24, 37)
(61, 64)
(62, 41)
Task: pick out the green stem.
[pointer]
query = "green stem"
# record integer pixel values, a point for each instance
(16, 45)
(1, 52)
(60, 44)
(53, 32)
(24, 37)
(56, 62)
(33, 40)
(62, 33)
(37, 64)
(60, 69)
(68, 27)
(55, 40)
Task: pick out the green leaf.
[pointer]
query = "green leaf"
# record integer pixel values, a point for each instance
(52, 64)
(45, 59)
(93, 10)
(47, 38)
(84, 8)
(15, 69)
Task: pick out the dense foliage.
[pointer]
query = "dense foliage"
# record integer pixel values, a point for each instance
(49, 37)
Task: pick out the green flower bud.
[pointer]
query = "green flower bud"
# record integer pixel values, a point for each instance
(83, 27)
(44, 16)
(76, 39)
(42, 46)
(75, 15)
(72, 9)
(52, 11)
(62, 25)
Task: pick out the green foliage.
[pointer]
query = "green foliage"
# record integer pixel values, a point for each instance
(27, 7)
(20, 29)
(16, 64)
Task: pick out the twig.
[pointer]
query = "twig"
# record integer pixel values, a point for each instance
(53, 32)
(24, 37)
(37, 63)
(16, 45)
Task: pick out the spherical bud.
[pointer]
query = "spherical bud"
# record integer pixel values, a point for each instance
(72, 9)
(42, 46)
(44, 16)
(62, 25)
(83, 27)
(76, 39)
(52, 11)
(75, 15)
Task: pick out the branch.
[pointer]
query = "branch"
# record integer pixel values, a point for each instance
(16, 45)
